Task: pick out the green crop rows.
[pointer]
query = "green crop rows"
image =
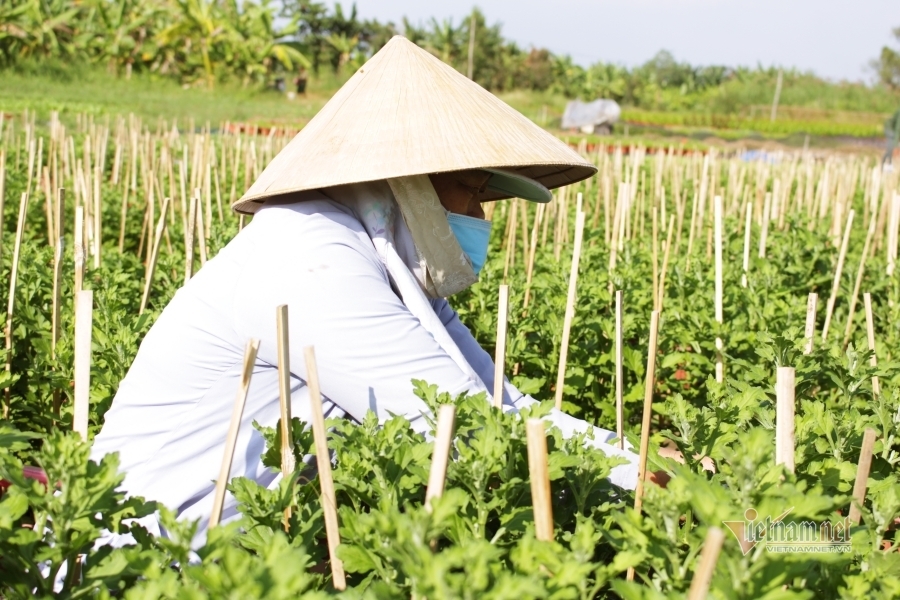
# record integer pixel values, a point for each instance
(479, 539)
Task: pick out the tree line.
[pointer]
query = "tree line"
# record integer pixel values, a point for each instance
(204, 42)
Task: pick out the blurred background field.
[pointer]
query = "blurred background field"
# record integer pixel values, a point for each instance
(217, 61)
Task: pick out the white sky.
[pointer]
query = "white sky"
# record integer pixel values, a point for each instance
(834, 38)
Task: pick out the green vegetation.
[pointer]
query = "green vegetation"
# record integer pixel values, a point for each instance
(236, 49)
(479, 539)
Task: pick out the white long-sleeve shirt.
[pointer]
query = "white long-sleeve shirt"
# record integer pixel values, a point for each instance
(169, 418)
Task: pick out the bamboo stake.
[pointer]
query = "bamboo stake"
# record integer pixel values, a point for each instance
(78, 250)
(2, 193)
(154, 256)
(870, 335)
(57, 275)
(620, 385)
(237, 413)
(858, 283)
(836, 285)
(529, 272)
(84, 317)
(747, 245)
(284, 396)
(717, 210)
(649, 385)
(655, 260)
(784, 417)
(862, 475)
(189, 242)
(665, 265)
(709, 556)
(539, 474)
(810, 330)
(500, 355)
(323, 461)
(570, 309)
(201, 230)
(764, 232)
(20, 228)
(440, 457)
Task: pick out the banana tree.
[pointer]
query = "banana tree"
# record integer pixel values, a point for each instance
(197, 23)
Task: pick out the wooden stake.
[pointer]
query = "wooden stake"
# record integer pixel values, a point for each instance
(764, 232)
(284, 396)
(237, 413)
(665, 264)
(717, 216)
(20, 228)
(858, 283)
(84, 323)
(539, 474)
(620, 385)
(836, 285)
(655, 260)
(747, 244)
(570, 309)
(649, 385)
(323, 461)
(529, 272)
(154, 256)
(201, 228)
(784, 417)
(709, 556)
(500, 355)
(862, 475)
(440, 457)
(57, 275)
(810, 331)
(189, 241)
(78, 250)
(870, 334)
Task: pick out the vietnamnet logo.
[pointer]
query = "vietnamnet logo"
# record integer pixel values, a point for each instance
(781, 535)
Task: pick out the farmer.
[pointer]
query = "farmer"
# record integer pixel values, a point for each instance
(363, 225)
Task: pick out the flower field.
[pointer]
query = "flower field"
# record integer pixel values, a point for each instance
(754, 360)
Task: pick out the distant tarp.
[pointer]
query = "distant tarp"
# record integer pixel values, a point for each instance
(584, 115)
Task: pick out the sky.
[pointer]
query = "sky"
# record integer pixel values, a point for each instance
(835, 39)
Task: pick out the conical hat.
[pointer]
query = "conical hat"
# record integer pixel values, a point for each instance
(405, 113)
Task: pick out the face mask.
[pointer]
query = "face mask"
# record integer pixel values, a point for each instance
(473, 236)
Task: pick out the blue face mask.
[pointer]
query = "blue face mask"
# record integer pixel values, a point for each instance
(473, 236)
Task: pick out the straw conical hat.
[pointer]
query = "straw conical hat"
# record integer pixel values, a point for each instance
(407, 113)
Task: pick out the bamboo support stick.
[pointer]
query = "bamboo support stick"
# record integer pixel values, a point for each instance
(84, 317)
(784, 417)
(570, 309)
(14, 272)
(870, 233)
(500, 354)
(717, 216)
(870, 335)
(189, 241)
(323, 461)
(862, 475)
(665, 264)
(201, 227)
(810, 330)
(78, 250)
(749, 219)
(237, 413)
(620, 385)
(284, 397)
(649, 385)
(764, 232)
(539, 475)
(654, 243)
(154, 256)
(836, 285)
(440, 457)
(57, 276)
(532, 250)
(709, 556)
